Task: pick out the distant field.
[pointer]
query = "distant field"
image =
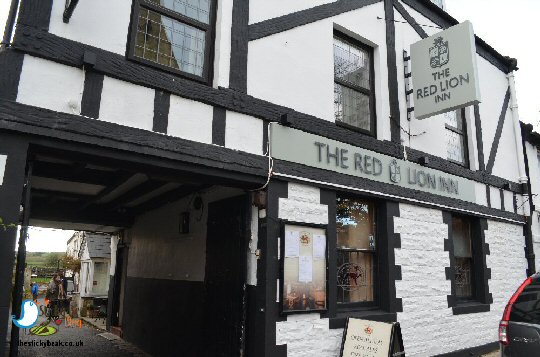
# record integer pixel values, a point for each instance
(38, 259)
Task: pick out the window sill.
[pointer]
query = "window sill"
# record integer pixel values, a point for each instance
(470, 308)
(375, 315)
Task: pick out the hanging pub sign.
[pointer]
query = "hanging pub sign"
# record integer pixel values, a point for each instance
(365, 338)
(444, 71)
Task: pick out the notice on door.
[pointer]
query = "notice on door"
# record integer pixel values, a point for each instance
(3, 160)
(364, 338)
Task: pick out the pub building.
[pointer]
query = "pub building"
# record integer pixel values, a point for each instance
(253, 210)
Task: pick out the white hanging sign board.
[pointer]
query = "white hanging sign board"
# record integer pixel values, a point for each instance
(3, 160)
(445, 72)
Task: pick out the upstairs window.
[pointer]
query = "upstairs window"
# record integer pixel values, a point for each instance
(353, 85)
(456, 137)
(175, 35)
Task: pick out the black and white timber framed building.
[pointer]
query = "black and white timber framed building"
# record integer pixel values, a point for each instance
(156, 120)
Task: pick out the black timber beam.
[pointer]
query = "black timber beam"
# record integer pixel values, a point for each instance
(136, 192)
(304, 17)
(54, 48)
(67, 212)
(167, 197)
(73, 173)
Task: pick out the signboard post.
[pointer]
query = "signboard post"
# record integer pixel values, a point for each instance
(444, 71)
(364, 338)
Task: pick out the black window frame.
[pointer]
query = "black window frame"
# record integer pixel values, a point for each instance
(463, 133)
(482, 298)
(366, 91)
(376, 260)
(209, 29)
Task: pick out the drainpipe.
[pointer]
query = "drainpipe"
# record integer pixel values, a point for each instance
(10, 23)
(517, 129)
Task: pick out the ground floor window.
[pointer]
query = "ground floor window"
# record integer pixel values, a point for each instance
(356, 250)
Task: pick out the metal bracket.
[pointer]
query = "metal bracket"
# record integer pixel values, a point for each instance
(408, 84)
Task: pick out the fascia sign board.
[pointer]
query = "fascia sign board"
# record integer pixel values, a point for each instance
(445, 71)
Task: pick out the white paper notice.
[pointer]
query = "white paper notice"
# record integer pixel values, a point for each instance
(319, 246)
(3, 159)
(292, 244)
(305, 269)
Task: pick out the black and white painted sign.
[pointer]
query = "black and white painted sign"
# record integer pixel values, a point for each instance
(444, 71)
(365, 338)
(3, 160)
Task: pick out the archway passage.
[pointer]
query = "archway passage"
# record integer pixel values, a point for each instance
(160, 217)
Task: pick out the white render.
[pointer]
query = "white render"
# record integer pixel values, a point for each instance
(260, 10)
(190, 120)
(134, 107)
(244, 133)
(99, 23)
(222, 52)
(50, 85)
(3, 161)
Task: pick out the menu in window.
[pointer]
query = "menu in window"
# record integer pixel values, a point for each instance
(304, 268)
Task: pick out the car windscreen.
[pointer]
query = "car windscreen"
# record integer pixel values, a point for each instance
(527, 306)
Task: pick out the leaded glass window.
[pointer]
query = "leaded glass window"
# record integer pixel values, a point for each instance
(174, 35)
(463, 257)
(456, 141)
(356, 250)
(353, 85)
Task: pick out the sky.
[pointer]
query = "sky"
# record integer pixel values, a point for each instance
(511, 27)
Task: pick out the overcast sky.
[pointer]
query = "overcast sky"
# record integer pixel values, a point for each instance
(511, 27)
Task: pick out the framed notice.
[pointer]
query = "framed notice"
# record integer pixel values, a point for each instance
(304, 258)
(365, 338)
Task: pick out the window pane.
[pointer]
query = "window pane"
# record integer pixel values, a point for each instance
(351, 107)
(455, 146)
(169, 42)
(356, 250)
(196, 9)
(463, 257)
(351, 63)
(527, 306)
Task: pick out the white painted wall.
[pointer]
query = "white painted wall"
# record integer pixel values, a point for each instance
(50, 85)
(127, 104)
(260, 10)
(495, 197)
(222, 52)
(159, 251)
(296, 68)
(428, 325)
(190, 120)
(244, 133)
(99, 23)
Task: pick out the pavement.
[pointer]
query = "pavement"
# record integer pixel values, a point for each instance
(493, 354)
(74, 339)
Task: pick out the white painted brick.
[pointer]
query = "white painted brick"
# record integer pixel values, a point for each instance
(304, 193)
(420, 213)
(428, 325)
(301, 211)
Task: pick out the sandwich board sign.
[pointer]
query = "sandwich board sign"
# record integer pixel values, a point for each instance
(444, 71)
(365, 338)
